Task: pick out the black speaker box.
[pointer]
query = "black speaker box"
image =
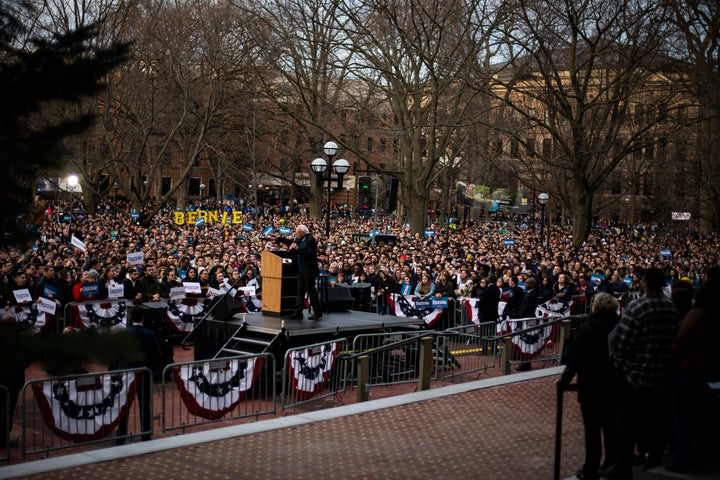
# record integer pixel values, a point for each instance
(224, 307)
(339, 299)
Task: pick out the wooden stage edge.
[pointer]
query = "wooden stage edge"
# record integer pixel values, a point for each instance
(333, 322)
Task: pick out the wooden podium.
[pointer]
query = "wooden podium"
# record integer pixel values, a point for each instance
(279, 272)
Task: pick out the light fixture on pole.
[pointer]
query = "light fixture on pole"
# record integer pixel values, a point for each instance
(72, 182)
(542, 200)
(627, 209)
(319, 166)
(202, 187)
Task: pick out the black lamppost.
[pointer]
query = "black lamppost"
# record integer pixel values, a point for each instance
(542, 200)
(319, 166)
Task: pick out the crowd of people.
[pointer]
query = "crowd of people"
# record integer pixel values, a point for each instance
(612, 260)
(79, 257)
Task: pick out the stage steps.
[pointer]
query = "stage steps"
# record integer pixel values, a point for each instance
(245, 342)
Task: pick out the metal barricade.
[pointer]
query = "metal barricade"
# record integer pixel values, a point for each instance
(313, 372)
(6, 424)
(68, 411)
(391, 366)
(221, 389)
(530, 340)
(467, 349)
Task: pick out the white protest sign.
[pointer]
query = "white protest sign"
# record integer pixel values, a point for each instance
(76, 242)
(116, 290)
(46, 305)
(22, 295)
(214, 292)
(177, 292)
(135, 258)
(192, 287)
(247, 290)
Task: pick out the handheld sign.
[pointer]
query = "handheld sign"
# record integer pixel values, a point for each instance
(177, 292)
(192, 287)
(247, 290)
(116, 291)
(76, 242)
(22, 295)
(214, 292)
(46, 305)
(135, 258)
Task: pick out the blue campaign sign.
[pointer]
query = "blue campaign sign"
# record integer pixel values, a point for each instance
(597, 277)
(67, 217)
(509, 242)
(430, 233)
(441, 302)
(268, 230)
(423, 303)
(665, 253)
(247, 227)
(627, 280)
(284, 230)
(90, 288)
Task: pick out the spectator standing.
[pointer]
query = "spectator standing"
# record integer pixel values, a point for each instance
(641, 346)
(590, 361)
(148, 355)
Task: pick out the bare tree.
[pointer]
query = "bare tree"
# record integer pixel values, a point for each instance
(575, 71)
(698, 34)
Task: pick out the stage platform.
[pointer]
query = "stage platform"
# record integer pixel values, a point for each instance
(339, 323)
(254, 333)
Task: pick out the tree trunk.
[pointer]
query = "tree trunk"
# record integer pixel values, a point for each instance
(416, 207)
(317, 196)
(582, 217)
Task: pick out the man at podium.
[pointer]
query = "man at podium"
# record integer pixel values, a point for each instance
(305, 245)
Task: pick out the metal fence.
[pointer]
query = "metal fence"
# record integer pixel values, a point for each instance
(391, 366)
(6, 423)
(313, 372)
(222, 389)
(467, 349)
(68, 411)
(533, 340)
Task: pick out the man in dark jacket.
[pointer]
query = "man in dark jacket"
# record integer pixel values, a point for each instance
(305, 245)
(515, 296)
(590, 361)
(148, 355)
(488, 304)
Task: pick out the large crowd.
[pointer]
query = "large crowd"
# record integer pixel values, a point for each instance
(77, 257)
(502, 251)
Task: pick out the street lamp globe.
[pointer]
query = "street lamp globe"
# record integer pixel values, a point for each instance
(319, 165)
(341, 166)
(543, 199)
(330, 149)
(72, 181)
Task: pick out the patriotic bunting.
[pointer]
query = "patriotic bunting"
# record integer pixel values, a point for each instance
(182, 313)
(105, 315)
(28, 317)
(309, 369)
(87, 408)
(429, 316)
(210, 391)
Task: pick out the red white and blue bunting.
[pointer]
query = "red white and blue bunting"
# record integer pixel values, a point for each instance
(309, 369)
(471, 307)
(28, 317)
(87, 408)
(429, 316)
(110, 315)
(215, 388)
(181, 314)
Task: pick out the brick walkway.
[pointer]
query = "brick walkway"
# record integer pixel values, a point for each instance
(496, 432)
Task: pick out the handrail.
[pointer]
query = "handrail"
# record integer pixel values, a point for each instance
(393, 345)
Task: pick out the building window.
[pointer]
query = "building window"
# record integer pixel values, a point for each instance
(194, 187)
(383, 145)
(370, 144)
(165, 185)
(212, 191)
(514, 148)
(530, 147)
(547, 148)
